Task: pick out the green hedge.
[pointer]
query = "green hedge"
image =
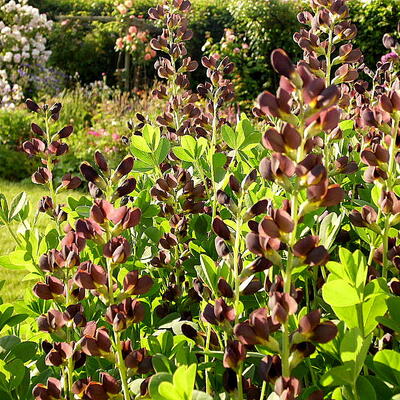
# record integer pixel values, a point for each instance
(373, 19)
(88, 48)
(15, 129)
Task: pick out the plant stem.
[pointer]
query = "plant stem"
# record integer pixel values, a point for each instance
(206, 359)
(12, 233)
(288, 284)
(263, 390)
(390, 183)
(239, 222)
(328, 55)
(240, 383)
(121, 366)
(211, 157)
(70, 362)
(117, 339)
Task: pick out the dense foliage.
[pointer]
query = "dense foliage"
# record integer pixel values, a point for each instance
(23, 52)
(221, 256)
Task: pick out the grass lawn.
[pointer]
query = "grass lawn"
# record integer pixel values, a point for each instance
(14, 286)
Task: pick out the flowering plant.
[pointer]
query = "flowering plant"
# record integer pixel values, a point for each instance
(134, 39)
(218, 260)
(23, 48)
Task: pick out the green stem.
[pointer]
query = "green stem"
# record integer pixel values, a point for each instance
(206, 359)
(117, 339)
(70, 361)
(121, 366)
(385, 247)
(240, 383)
(288, 284)
(211, 158)
(390, 183)
(328, 55)
(236, 249)
(12, 233)
(263, 390)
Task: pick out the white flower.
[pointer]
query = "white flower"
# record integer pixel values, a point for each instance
(17, 58)
(8, 57)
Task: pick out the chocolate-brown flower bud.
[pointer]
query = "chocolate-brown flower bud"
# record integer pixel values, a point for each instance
(53, 321)
(287, 388)
(32, 106)
(127, 187)
(70, 182)
(270, 368)
(221, 229)
(50, 391)
(316, 331)
(90, 276)
(96, 341)
(282, 305)
(118, 249)
(224, 288)
(33, 147)
(42, 176)
(282, 64)
(133, 285)
(308, 250)
(235, 354)
(51, 289)
(101, 161)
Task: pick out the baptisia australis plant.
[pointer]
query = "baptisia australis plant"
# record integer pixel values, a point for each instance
(226, 260)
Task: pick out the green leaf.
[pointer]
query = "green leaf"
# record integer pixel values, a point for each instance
(229, 136)
(337, 376)
(219, 160)
(354, 349)
(140, 143)
(329, 228)
(152, 136)
(3, 208)
(17, 204)
(200, 396)
(160, 363)
(387, 366)
(168, 391)
(346, 125)
(162, 150)
(355, 266)
(201, 147)
(189, 144)
(167, 342)
(208, 272)
(381, 389)
(376, 194)
(183, 381)
(17, 369)
(364, 389)
(155, 383)
(18, 259)
(374, 305)
(182, 154)
(25, 351)
(7, 343)
(339, 293)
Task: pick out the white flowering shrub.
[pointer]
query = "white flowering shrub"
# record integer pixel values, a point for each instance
(22, 49)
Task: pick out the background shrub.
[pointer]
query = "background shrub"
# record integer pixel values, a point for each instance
(88, 47)
(373, 18)
(14, 165)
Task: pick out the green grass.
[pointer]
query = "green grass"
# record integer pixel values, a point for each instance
(15, 286)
